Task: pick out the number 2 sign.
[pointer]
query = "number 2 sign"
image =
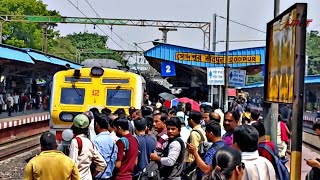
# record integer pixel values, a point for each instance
(168, 69)
(95, 92)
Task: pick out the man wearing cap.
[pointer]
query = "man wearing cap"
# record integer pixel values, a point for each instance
(82, 150)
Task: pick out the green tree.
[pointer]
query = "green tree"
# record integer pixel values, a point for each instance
(94, 46)
(25, 34)
(313, 52)
(63, 47)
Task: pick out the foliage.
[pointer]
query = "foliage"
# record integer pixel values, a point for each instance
(63, 47)
(25, 34)
(313, 52)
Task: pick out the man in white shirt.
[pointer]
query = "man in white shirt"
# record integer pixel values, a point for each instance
(245, 138)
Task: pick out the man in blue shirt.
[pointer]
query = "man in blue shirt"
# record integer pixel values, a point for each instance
(207, 162)
(147, 145)
(105, 145)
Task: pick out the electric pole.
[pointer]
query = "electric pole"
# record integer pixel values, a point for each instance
(165, 33)
(226, 69)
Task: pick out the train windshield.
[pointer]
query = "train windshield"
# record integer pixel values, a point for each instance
(72, 96)
(117, 97)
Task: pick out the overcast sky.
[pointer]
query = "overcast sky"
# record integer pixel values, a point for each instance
(255, 13)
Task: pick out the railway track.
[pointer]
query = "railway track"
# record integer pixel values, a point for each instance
(18, 146)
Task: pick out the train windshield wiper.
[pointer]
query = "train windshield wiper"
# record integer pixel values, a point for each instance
(76, 89)
(117, 89)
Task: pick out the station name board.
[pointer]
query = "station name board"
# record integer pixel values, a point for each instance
(217, 59)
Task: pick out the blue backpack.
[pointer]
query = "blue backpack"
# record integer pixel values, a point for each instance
(279, 166)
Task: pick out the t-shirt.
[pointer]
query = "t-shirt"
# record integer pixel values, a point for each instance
(127, 158)
(228, 138)
(265, 153)
(147, 145)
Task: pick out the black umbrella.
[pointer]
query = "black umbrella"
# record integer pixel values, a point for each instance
(167, 96)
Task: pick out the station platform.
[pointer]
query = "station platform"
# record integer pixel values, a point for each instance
(21, 118)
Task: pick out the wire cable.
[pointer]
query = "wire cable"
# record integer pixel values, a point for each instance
(95, 24)
(93, 9)
(242, 24)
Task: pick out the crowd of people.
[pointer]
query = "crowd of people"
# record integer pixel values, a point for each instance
(156, 142)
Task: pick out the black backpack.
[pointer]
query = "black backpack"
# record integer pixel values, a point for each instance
(150, 172)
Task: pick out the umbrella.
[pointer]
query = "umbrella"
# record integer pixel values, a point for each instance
(167, 96)
(174, 102)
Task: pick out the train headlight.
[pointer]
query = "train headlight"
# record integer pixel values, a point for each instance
(66, 117)
(67, 135)
(97, 71)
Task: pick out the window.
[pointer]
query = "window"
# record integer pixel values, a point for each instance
(118, 97)
(72, 96)
(111, 81)
(71, 79)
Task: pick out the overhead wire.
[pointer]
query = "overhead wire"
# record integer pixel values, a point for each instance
(95, 24)
(241, 24)
(93, 9)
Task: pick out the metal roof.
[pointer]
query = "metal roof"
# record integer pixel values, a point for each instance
(38, 56)
(13, 53)
(167, 52)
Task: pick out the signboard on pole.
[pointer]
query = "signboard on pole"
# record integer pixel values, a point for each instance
(215, 76)
(168, 69)
(237, 78)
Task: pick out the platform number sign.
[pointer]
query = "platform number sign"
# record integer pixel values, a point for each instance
(168, 69)
(95, 92)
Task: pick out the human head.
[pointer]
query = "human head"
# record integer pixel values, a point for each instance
(121, 126)
(214, 117)
(146, 111)
(245, 138)
(120, 112)
(149, 121)
(172, 112)
(229, 165)
(205, 114)
(188, 106)
(173, 127)
(164, 110)
(67, 66)
(106, 111)
(80, 124)
(131, 110)
(95, 111)
(181, 106)
(230, 122)
(215, 105)
(260, 128)
(111, 128)
(316, 128)
(213, 131)
(48, 141)
(255, 114)
(136, 115)
(194, 118)
(140, 125)
(159, 122)
(101, 123)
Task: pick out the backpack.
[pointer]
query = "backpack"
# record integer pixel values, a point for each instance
(203, 146)
(279, 166)
(150, 172)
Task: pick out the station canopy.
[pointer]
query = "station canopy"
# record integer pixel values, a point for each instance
(190, 64)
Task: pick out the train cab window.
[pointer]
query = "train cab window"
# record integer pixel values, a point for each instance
(72, 96)
(118, 97)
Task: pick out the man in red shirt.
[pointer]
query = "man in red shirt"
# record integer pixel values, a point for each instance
(127, 150)
(262, 141)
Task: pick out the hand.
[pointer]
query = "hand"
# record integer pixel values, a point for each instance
(154, 157)
(313, 163)
(191, 149)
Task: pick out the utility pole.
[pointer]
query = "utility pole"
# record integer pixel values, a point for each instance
(44, 38)
(226, 70)
(165, 33)
(214, 39)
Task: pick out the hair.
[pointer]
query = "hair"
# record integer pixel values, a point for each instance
(102, 120)
(132, 110)
(255, 114)
(137, 112)
(215, 105)
(212, 118)
(146, 111)
(246, 137)
(235, 115)
(120, 112)
(172, 111)
(164, 109)
(215, 128)
(106, 111)
(121, 122)
(149, 121)
(316, 125)
(95, 111)
(188, 106)
(207, 109)
(180, 106)
(48, 141)
(140, 124)
(163, 117)
(227, 159)
(111, 120)
(174, 121)
(78, 131)
(195, 116)
(260, 128)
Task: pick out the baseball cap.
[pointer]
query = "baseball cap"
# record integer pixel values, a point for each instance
(81, 121)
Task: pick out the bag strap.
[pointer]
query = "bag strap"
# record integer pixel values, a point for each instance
(125, 142)
(107, 163)
(79, 141)
(196, 130)
(267, 148)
